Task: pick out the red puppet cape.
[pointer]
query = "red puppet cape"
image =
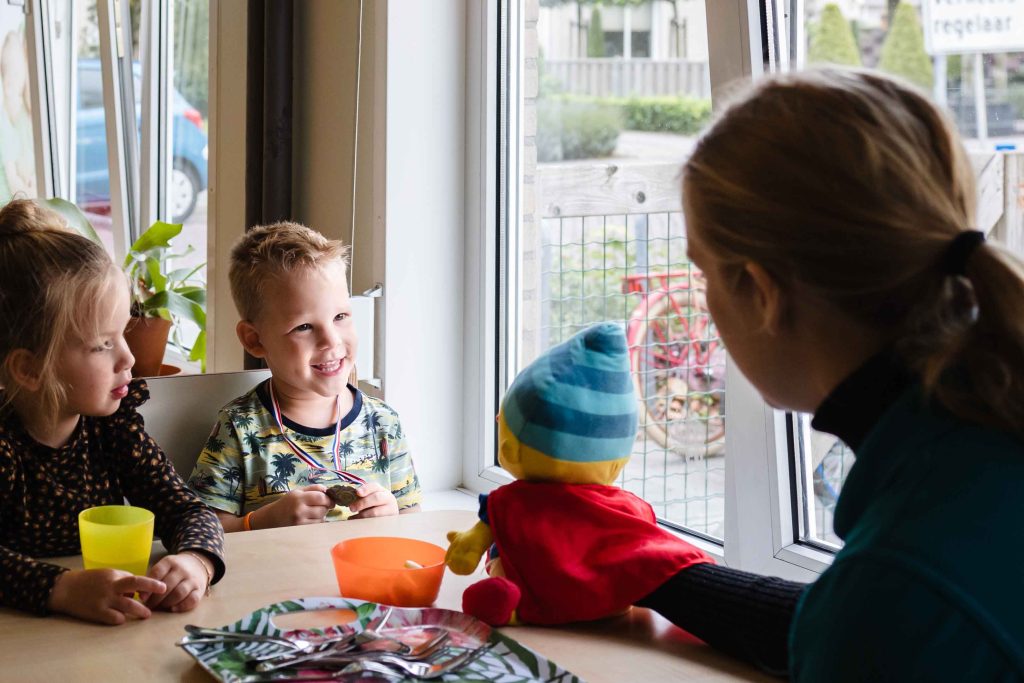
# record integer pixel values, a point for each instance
(581, 551)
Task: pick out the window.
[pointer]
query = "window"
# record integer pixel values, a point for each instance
(155, 166)
(597, 234)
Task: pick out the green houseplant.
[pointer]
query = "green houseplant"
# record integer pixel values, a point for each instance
(162, 297)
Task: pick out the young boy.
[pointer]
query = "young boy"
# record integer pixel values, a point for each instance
(276, 452)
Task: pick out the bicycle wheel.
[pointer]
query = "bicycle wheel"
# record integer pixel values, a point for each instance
(678, 368)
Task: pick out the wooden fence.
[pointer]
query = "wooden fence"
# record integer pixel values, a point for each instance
(622, 77)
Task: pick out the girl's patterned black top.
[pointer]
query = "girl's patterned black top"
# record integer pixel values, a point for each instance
(106, 460)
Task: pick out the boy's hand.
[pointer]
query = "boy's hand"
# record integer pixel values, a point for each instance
(186, 576)
(374, 501)
(102, 595)
(308, 505)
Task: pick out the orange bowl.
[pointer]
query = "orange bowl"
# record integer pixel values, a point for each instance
(374, 568)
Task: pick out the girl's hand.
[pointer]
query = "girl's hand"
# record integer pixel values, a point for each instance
(102, 595)
(308, 505)
(187, 576)
(374, 501)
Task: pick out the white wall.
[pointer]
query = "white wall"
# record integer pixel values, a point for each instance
(423, 286)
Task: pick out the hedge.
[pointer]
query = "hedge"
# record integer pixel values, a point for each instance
(685, 115)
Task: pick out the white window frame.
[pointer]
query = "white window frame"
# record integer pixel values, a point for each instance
(132, 208)
(155, 29)
(757, 466)
(114, 23)
(760, 527)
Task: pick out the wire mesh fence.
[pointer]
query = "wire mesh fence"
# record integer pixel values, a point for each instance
(632, 269)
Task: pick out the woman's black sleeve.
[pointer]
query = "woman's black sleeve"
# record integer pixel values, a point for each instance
(742, 614)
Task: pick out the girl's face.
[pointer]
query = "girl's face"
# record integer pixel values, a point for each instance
(97, 370)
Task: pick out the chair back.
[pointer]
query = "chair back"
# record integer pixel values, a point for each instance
(182, 410)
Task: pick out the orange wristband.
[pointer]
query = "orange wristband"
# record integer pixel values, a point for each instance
(247, 521)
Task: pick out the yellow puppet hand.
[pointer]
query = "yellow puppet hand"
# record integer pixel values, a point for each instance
(465, 548)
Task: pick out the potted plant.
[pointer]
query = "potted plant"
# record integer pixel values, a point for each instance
(162, 297)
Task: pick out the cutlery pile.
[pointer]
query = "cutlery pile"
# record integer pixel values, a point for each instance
(356, 654)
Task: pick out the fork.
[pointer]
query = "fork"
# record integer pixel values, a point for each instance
(215, 634)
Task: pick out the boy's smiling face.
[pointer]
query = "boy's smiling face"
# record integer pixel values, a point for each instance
(305, 332)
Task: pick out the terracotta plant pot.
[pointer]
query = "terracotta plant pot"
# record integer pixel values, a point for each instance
(147, 339)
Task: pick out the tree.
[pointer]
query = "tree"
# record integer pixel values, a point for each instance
(832, 40)
(595, 34)
(903, 50)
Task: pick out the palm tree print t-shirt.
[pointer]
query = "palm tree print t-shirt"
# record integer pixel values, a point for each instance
(247, 463)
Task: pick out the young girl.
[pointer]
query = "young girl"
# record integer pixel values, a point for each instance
(70, 436)
(832, 213)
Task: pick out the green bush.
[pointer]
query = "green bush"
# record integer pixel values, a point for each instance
(831, 39)
(685, 115)
(903, 50)
(572, 128)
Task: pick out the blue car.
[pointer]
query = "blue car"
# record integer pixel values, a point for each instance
(189, 148)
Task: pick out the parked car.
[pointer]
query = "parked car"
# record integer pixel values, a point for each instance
(188, 141)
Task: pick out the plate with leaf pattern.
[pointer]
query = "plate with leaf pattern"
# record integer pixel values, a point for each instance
(507, 661)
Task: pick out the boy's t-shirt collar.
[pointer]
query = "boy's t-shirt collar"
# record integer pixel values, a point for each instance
(263, 393)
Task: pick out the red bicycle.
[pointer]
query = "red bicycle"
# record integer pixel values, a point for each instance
(677, 362)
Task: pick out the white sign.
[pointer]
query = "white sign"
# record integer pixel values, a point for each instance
(965, 26)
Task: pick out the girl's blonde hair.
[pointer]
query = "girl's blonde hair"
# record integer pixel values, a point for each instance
(854, 185)
(273, 251)
(51, 283)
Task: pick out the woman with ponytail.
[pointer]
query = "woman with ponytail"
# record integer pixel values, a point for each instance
(832, 213)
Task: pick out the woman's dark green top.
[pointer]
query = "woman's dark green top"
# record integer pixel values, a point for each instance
(929, 585)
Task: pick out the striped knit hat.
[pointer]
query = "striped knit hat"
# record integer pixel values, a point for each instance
(576, 402)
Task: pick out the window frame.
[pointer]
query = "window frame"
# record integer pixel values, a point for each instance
(482, 330)
(138, 172)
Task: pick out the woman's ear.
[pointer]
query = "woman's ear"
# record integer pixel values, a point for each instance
(249, 336)
(768, 298)
(24, 369)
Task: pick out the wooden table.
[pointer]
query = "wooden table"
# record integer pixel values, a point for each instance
(278, 564)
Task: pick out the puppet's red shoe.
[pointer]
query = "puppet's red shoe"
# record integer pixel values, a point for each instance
(492, 600)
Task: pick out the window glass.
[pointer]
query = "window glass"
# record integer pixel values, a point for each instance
(189, 113)
(600, 233)
(973, 65)
(17, 125)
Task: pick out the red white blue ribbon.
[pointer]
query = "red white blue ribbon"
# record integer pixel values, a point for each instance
(306, 457)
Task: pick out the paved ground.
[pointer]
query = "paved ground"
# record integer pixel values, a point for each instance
(688, 492)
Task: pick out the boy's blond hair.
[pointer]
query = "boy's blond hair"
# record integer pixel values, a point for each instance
(267, 252)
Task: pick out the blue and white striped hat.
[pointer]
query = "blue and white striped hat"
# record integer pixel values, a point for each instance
(576, 402)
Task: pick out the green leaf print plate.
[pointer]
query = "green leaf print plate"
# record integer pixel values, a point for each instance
(506, 662)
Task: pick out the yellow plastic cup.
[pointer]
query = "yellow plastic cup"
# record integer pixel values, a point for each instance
(116, 537)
